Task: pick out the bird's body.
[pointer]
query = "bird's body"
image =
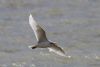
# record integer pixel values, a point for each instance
(42, 41)
(44, 44)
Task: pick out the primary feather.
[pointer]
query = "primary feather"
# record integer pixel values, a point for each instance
(56, 49)
(39, 32)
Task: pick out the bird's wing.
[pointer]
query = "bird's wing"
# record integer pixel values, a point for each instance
(56, 49)
(39, 32)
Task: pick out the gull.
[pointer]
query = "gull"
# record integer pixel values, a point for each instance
(42, 41)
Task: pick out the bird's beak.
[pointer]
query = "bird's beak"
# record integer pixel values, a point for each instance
(32, 47)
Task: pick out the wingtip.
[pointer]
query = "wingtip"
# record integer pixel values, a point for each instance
(30, 19)
(30, 16)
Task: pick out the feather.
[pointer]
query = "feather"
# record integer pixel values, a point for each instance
(39, 32)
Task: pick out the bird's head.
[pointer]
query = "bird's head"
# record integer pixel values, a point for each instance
(52, 43)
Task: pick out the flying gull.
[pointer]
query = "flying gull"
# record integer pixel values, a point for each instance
(42, 41)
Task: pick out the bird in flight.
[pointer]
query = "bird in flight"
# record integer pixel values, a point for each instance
(42, 41)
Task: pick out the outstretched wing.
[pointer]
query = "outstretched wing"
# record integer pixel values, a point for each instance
(56, 49)
(39, 32)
